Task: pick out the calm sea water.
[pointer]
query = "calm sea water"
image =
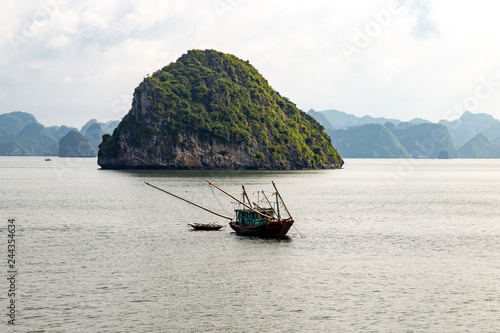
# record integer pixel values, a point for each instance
(387, 246)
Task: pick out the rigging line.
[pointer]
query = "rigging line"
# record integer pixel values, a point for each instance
(270, 205)
(213, 192)
(302, 236)
(241, 202)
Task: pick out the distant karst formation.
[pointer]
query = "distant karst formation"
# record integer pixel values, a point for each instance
(470, 136)
(22, 135)
(74, 144)
(210, 110)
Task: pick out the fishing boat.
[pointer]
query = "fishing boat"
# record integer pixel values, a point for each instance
(205, 226)
(250, 223)
(251, 219)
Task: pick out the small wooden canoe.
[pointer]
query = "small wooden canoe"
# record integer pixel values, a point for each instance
(205, 226)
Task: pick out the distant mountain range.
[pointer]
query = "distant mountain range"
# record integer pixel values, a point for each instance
(470, 136)
(22, 135)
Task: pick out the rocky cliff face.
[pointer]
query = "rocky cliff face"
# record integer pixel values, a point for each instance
(211, 110)
(191, 153)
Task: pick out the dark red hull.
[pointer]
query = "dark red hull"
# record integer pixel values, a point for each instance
(271, 229)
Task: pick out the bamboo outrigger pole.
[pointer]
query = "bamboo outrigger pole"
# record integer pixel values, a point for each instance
(192, 203)
(244, 204)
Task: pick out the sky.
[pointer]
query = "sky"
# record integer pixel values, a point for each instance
(69, 61)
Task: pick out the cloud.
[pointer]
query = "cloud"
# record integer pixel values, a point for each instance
(59, 41)
(91, 20)
(89, 56)
(425, 26)
(145, 15)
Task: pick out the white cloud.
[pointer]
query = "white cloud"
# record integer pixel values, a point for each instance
(89, 56)
(59, 41)
(95, 20)
(146, 14)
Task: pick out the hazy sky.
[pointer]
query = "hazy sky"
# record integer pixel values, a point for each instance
(68, 61)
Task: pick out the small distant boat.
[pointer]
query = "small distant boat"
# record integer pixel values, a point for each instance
(205, 226)
(48, 160)
(250, 219)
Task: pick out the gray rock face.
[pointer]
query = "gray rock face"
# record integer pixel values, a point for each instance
(190, 154)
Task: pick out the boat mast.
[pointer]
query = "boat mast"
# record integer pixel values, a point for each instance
(281, 199)
(245, 195)
(277, 206)
(244, 204)
(192, 203)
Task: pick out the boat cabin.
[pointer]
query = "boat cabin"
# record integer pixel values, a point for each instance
(247, 217)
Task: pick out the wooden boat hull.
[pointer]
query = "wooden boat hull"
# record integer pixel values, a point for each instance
(203, 226)
(271, 229)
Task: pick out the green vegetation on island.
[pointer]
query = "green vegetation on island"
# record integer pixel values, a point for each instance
(209, 99)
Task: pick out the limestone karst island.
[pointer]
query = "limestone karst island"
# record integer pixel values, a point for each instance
(210, 110)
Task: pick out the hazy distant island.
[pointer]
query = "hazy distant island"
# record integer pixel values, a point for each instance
(470, 136)
(22, 135)
(74, 144)
(211, 110)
